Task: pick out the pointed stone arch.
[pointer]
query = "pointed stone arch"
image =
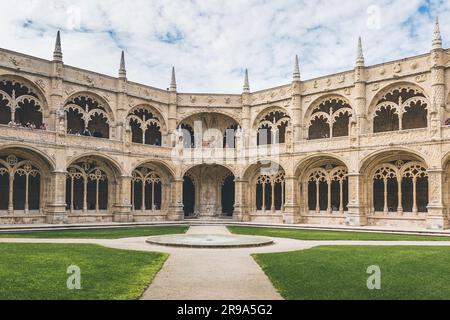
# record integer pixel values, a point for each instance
(92, 184)
(323, 185)
(24, 180)
(271, 124)
(215, 128)
(399, 106)
(328, 116)
(203, 190)
(147, 125)
(397, 183)
(22, 101)
(150, 188)
(89, 114)
(267, 184)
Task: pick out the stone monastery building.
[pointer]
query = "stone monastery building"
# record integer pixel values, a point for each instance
(365, 147)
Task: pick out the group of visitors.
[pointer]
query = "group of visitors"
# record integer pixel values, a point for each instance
(80, 133)
(86, 133)
(28, 125)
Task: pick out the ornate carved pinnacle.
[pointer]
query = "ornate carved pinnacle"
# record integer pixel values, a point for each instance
(437, 38)
(296, 69)
(246, 82)
(360, 54)
(122, 69)
(57, 54)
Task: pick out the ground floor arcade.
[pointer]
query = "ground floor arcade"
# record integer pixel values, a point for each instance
(391, 189)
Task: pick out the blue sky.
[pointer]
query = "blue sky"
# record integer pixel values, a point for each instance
(211, 42)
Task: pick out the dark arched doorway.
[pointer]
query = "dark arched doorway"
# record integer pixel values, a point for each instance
(208, 192)
(228, 196)
(188, 196)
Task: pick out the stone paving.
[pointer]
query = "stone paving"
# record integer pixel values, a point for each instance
(211, 274)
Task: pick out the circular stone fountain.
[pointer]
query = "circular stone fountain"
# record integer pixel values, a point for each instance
(210, 241)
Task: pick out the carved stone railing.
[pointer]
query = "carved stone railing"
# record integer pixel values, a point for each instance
(215, 155)
(386, 139)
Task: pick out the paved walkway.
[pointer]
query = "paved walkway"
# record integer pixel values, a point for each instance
(215, 274)
(203, 274)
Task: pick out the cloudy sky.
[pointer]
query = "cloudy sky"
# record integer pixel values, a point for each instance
(211, 42)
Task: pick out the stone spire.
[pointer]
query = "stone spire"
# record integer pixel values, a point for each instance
(360, 54)
(437, 39)
(57, 54)
(296, 69)
(122, 69)
(173, 82)
(246, 82)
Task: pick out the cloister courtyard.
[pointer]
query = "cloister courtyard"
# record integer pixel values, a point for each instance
(329, 188)
(302, 264)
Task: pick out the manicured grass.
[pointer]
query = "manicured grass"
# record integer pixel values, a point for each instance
(99, 233)
(331, 235)
(39, 272)
(340, 272)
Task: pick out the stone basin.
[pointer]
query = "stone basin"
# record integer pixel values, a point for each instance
(210, 241)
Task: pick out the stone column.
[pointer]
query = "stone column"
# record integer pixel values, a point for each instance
(123, 206)
(246, 125)
(438, 96)
(296, 110)
(329, 207)
(238, 204)
(400, 195)
(122, 109)
(172, 118)
(360, 102)
(356, 215)
(56, 96)
(291, 207)
(176, 212)
(11, 194)
(437, 218)
(56, 206)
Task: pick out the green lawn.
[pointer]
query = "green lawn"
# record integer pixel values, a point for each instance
(39, 272)
(340, 272)
(331, 235)
(99, 233)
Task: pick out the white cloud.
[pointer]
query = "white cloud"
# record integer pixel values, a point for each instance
(214, 40)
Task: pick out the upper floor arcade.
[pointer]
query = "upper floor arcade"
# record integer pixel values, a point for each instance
(408, 97)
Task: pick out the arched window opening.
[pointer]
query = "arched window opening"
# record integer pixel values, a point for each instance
(328, 189)
(153, 135)
(188, 136)
(98, 126)
(146, 189)
(386, 119)
(229, 138)
(401, 108)
(272, 128)
(87, 117)
(330, 118)
(319, 128)
(20, 183)
(136, 131)
(415, 116)
(87, 187)
(400, 186)
(145, 127)
(265, 135)
(270, 192)
(19, 105)
(341, 124)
